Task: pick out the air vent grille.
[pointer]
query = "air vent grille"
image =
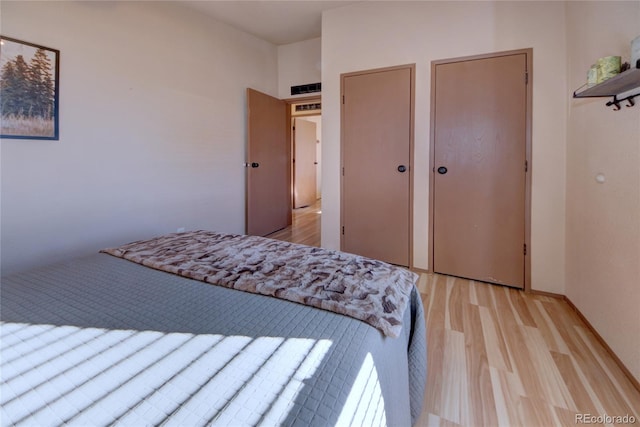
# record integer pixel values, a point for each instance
(308, 107)
(308, 88)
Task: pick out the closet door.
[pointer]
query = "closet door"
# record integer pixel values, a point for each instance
(377, 132)
(479, 176)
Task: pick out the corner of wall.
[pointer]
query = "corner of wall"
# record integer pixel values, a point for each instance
(602, 228)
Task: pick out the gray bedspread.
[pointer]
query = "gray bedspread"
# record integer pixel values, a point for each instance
(101, 341)
(367, 289)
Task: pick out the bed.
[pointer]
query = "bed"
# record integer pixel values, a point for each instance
(201, 328)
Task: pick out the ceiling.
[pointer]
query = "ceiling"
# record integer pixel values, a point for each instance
(279, 22)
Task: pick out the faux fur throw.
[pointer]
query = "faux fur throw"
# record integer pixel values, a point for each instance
(363, 288)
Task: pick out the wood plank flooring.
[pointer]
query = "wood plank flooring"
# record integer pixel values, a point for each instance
(500, 357)
(305, 228)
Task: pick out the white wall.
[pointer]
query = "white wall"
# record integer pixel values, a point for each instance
(152, 128)
(298, 64)
(379, 34)
(603, 220)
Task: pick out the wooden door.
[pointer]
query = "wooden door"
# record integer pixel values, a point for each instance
(377, 122)
(479, 178)
(304, 163)
(268, 178)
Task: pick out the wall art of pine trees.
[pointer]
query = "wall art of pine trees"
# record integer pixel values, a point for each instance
(28, 90)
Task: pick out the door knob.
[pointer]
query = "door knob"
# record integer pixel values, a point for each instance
(402, 168)
(255, 165)
(442, 170)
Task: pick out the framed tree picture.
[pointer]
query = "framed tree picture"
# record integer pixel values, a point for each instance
(29, 76)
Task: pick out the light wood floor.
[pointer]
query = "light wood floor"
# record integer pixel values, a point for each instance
(501, 357)
(305, 228)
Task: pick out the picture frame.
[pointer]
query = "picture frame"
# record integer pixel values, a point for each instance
(29, 90)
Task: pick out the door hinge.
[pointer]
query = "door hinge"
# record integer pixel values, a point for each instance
(343, 230)
(343, 99)
(526, 78)
(526, 166)
(525, 248)
(343, 171)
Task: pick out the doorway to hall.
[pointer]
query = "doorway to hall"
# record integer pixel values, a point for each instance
(273, 166)
(306, 174)
(306, 152)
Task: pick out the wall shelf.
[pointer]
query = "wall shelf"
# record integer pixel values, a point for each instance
(627, 81)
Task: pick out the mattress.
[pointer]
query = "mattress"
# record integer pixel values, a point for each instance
(101, 341)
